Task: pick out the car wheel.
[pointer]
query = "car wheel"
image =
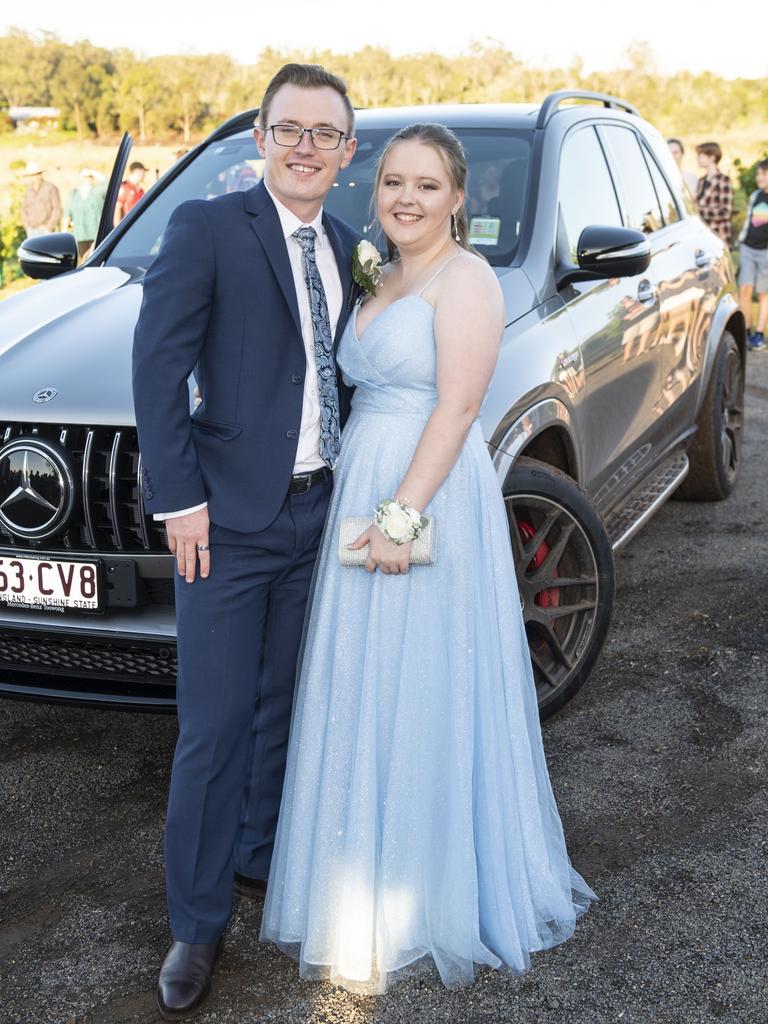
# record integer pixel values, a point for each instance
(715, 455)
(565, 575)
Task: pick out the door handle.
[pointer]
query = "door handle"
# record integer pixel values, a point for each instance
(702, 259)
(647, 291)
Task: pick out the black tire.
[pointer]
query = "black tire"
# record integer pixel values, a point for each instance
(715, 455)
(561, 551)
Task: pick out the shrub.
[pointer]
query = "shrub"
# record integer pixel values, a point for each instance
(11, 235)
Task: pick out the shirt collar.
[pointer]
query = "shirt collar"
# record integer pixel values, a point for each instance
(289, 222)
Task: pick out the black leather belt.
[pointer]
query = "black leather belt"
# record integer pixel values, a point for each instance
(302, 482)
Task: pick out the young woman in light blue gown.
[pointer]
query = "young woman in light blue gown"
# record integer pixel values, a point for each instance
(418, 824)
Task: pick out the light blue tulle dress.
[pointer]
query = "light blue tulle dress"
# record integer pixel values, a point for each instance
(417, 825)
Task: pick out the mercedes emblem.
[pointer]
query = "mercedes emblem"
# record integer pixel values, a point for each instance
(44, 395)
(37, 491)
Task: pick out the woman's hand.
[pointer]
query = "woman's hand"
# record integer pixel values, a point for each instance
(383, 554)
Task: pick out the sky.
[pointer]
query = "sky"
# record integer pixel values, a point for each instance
(683, 34)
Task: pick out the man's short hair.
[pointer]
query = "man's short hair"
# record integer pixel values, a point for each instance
(711, 149)
(137, 165)
(676, 142)
(762, 165)
(307, 76)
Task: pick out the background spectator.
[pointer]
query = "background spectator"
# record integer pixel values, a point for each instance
(130, 191)
(488, 189)
(753, 258)
(714, 195)
(41, 206)
(83, 209)
(677, 151)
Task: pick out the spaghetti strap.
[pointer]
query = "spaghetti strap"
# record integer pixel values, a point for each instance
(437, 273)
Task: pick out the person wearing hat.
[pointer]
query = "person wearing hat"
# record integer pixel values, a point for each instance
(83, 209)
(41, 205)
(130, 191)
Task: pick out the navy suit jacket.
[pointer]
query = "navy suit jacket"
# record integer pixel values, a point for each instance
(220, 299)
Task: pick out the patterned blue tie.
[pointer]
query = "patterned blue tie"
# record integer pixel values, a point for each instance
(326, 364)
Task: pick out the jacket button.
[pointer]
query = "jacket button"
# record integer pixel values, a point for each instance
(291, 434)
(297, 378)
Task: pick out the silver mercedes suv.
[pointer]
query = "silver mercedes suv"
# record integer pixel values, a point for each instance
(620, 381)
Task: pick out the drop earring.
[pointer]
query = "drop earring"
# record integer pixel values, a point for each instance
(455, 227)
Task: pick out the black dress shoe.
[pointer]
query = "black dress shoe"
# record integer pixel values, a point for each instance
(250, 887)
(185, 978)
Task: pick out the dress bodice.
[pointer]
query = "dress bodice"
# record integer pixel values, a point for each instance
(392, 365)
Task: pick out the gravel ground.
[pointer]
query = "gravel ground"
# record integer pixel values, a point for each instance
(659, 767)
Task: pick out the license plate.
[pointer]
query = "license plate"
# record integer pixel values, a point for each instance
(51, 584)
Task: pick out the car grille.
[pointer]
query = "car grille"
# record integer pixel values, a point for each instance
(105, 659)
(109, 514)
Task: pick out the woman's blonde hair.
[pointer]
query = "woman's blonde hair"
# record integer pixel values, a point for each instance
(453, 156)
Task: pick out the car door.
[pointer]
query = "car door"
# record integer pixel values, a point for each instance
(689, 292)
(617, 323)
(113, 187)
(674, 269)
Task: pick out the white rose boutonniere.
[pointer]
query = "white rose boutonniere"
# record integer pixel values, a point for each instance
(366, 266)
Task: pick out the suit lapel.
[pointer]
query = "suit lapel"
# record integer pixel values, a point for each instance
(344, 265)
(266, 223)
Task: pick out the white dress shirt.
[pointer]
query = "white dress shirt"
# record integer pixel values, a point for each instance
(308, 449)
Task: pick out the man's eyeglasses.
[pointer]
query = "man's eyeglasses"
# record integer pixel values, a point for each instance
(291, 135)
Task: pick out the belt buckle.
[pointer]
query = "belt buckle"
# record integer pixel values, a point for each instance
(297, 481)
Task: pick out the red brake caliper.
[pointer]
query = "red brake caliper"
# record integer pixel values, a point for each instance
(545, 598)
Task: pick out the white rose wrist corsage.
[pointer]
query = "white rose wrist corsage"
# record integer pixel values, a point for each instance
(399, 521)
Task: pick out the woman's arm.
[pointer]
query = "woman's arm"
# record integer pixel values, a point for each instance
(469, 321)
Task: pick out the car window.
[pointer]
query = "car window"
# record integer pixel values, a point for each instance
(639, 202)
(497, 189)
(669, 210)
(232, 165)
(585, 191)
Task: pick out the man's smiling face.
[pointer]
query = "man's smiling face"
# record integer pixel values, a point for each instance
(301, 176)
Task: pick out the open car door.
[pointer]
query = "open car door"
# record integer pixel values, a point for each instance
(115, 180)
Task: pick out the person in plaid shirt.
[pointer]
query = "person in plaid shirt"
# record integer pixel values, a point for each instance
(714, 195)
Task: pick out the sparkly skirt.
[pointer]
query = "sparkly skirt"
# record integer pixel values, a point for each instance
(418, 826)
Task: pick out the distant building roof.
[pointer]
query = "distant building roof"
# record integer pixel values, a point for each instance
(32, 113)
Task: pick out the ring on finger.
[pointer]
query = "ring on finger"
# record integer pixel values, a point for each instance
(203, 547)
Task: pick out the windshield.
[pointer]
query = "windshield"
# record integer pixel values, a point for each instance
(499, 165)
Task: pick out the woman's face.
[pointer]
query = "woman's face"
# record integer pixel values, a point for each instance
(415, 198)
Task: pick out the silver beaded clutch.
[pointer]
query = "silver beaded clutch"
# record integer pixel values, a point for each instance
(423, 549)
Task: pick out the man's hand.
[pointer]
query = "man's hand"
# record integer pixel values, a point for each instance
(186, 536)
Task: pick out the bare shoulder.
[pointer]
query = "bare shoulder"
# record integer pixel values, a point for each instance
(467, 279)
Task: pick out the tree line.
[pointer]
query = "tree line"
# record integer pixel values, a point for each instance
(101, 91)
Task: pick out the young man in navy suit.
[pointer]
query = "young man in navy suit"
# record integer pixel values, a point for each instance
(250, 291)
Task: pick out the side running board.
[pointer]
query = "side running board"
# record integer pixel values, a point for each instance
(624, 522)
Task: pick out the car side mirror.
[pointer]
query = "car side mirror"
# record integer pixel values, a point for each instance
(45, 256)
(605, 251)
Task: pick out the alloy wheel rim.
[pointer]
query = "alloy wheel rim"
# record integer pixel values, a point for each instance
(557, 576)
(731, 415)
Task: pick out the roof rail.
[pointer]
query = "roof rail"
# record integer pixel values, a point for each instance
(553, 101)
(238, 122)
